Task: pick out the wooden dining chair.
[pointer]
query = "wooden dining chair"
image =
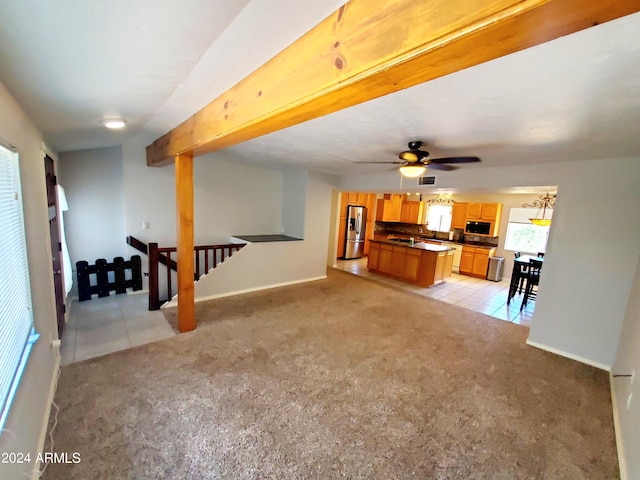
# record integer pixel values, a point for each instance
(532, 280)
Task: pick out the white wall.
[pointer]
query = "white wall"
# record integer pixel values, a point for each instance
(29, 414)
(628, 361)
(264, 265)
(590, 258)
(94, 223)
(229, 199)
(294, 202)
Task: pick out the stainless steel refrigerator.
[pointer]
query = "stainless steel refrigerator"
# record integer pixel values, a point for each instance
(356, 228)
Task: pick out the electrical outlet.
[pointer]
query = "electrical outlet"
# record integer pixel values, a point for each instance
(145, 225)
(629, 401)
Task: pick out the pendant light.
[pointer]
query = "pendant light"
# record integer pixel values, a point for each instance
(544, 202)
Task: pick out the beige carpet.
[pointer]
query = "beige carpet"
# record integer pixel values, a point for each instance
(338, 378)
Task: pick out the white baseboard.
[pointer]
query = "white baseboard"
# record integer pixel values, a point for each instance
(45, 424)
(577, 358)
(174, 303)
(617, 427)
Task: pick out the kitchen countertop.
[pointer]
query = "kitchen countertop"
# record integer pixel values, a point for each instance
(444, 242)
(418, 245)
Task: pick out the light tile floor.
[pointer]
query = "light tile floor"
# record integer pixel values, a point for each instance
(471, 293)
(110, 324)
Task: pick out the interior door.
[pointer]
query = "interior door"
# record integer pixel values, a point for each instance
(56, 246)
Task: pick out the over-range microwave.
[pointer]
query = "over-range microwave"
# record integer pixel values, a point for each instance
(479, 228)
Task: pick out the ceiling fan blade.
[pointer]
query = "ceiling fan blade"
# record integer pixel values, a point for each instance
(454, 160)
(381, 163)
(440, 166)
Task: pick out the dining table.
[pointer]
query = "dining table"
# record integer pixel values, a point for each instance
(524, 259)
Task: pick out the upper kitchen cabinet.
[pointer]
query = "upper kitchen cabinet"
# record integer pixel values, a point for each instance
(474, 211)
(389, 208)
(412, 212)
(491, 211)
(484, 211)
(459, 215)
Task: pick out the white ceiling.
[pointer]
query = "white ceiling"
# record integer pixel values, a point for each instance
(71, 63)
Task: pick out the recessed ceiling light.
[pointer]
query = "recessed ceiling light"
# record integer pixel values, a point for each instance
(114, 123)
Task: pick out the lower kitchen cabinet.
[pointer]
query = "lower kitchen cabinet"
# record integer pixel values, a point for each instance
(374, 257)
(475, 261)
(414, 265)
(398, 257)
(384, 261)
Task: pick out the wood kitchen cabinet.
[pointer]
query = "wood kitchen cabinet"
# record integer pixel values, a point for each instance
(474, 211)
(412, 212)
(480, 212)
(491, 211)
(398, 257)
(481, 263)
(389, 209)
(475, 261)
(384, 260)
(374, 256)
(466, 260)
(459, 215)
(412, 265)
(417, 265)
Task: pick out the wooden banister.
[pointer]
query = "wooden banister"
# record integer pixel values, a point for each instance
(206, 258)
(144, 248)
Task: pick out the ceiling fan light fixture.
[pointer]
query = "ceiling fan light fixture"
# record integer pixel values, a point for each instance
(412, 171)
(114, 123)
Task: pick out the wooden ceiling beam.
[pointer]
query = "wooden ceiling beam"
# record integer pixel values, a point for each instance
(368, 49)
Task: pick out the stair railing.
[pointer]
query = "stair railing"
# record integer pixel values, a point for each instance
(207, 257)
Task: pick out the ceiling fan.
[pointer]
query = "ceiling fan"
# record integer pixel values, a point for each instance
(415, 161)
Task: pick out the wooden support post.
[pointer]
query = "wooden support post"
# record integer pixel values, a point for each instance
(184, 207)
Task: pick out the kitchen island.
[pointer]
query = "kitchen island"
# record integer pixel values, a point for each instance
(420, 264)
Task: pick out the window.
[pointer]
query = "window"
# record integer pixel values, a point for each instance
(17, 334)
(522, 235)
(439, 218)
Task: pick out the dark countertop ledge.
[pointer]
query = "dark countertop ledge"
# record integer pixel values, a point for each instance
(267, 238)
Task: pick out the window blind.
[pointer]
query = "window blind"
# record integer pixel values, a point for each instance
(17, 334)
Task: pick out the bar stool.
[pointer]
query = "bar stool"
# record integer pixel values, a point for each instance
(532, 280)
(518, 276)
